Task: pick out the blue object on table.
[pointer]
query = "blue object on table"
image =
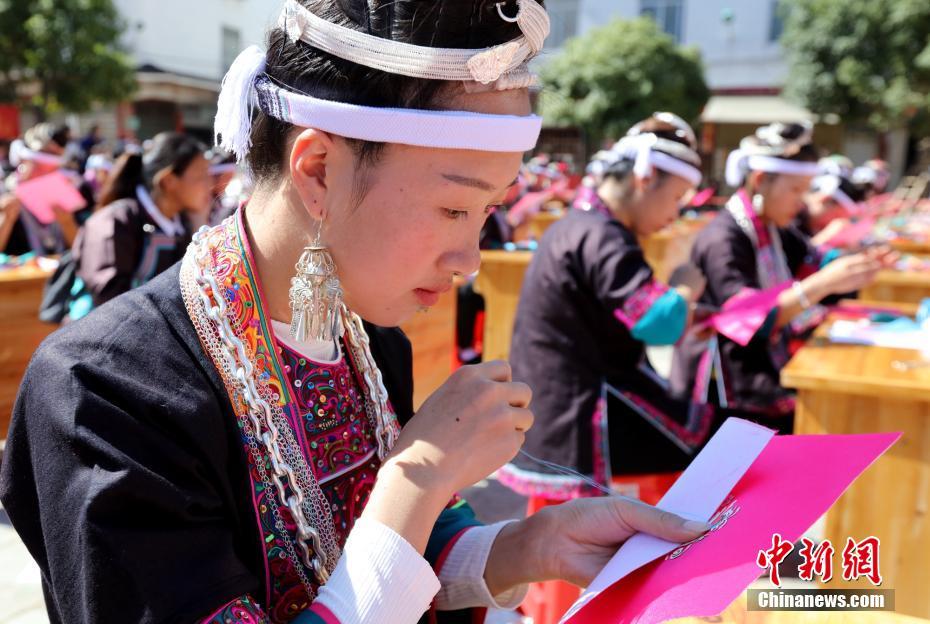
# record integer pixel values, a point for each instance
(923, 312)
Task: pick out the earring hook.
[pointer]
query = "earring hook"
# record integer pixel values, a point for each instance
(513, 19)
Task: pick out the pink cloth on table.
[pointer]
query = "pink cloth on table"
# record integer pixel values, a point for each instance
(527, 205)
(794, 480)
(40, 195)
(853, 234)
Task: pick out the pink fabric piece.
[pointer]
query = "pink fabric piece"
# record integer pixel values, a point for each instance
(744, 313)
(853, 234)
(325, 614)
(526, 206)
(793, 481)
(40, 195)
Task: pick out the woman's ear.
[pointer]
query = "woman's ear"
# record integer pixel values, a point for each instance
(165, 181)
(308, 163)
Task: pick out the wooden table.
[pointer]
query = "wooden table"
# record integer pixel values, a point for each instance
(499, 281)
(856, 389)
(904, 245)
(432, 335)
(21, 331)
(903, 286)
(670, 247)
(736, 613)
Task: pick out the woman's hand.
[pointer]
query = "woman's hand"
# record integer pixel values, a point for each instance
(466, 430)
(575, 540)
(471, 426)
(688, 280)
(855, 271)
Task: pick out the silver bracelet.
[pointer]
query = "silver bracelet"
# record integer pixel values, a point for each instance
(802, 297)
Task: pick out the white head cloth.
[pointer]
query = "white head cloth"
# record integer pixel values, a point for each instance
(829, 185)
(19, 153)
(647, 151)
(498, 67)
(771, 156)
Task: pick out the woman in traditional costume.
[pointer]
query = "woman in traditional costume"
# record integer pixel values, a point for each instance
(40, 152)
(141, 228)
(753, 249)
(184, 453)
(588, 308)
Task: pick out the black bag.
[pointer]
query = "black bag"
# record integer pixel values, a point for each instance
(56, 296)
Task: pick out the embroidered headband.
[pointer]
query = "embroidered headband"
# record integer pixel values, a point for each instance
(498, 67)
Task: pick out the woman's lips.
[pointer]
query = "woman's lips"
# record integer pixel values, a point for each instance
(429, 297)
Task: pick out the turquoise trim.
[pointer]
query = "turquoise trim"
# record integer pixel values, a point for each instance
(451, 522)
(830, 256)
(664, 322)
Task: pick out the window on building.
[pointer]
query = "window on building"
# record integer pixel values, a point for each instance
(232, 46)
(776, 23)
(668, 14)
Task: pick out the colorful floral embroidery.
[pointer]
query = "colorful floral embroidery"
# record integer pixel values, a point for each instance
(242, 610)
(324, 405)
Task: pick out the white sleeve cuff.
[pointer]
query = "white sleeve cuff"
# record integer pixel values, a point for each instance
(462, 573)
(379, 578)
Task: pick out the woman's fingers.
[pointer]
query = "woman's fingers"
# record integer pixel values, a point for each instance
(662, 524)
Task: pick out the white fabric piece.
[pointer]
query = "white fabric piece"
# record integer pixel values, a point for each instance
(19, 153)
(171, 227)
(740, 163)
(424, 128)
(462, 573)
(319, 351)
(641, 148)
(379, 578)
(829, 185)
(98, 162)
(484, 65)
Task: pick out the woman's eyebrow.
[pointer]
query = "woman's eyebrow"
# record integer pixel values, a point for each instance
(473, 182)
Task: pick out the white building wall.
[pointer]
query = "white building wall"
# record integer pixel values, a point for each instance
(185, 36)
(737, 54)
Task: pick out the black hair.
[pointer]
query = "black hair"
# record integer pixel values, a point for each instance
(170, 150)
(302, 68)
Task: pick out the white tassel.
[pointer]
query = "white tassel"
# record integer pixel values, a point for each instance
(737, 167)
(232, 128)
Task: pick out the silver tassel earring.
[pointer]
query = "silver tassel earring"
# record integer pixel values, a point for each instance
(315, 294)
(758, 203)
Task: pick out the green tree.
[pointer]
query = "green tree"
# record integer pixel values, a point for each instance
(619, 74)
(63, 54)
(865, 60)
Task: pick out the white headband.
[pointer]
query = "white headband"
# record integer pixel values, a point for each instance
(739, 163)
(500, 67)
(640, 147)
(19, 153)
(829, 185)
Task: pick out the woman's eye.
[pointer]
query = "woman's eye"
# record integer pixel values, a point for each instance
(456, 214)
